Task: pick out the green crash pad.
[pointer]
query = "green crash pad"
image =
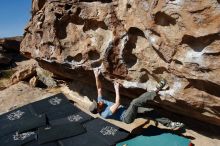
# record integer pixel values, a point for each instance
(156, 137)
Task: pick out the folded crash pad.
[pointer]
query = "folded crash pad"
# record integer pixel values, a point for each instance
(53, 133)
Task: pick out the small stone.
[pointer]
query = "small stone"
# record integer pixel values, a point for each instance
(33, 81)
(46, 77)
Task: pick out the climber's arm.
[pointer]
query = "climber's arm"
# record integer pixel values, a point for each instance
(115, 106)
(98, 82)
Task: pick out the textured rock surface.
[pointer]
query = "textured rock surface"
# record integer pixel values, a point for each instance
(138, 42)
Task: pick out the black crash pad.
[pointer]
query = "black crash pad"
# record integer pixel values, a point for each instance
(85, 139)
(32, 123)
(53, 133)
(11, 121)
(18, 113)
(46, 104)
(99, 133)
(61, 111)
(35, 143)
(79, 117)
(106, 131)
(67, 124)
(15, 139)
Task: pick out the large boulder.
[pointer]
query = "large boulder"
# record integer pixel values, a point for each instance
(136, 42)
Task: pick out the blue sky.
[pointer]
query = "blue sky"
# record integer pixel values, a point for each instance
(14, 16)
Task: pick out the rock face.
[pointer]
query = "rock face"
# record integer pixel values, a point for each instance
(136, 42)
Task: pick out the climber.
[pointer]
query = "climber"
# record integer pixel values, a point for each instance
(110, 110)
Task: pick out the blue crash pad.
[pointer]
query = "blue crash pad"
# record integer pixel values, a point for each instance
(159, 138)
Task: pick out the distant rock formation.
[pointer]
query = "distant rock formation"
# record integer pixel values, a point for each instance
(136, 42)
(11, 43)
(4, 59)
(8, 45)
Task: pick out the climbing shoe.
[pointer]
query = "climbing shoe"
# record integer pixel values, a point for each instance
(161, 84)
(175, 125)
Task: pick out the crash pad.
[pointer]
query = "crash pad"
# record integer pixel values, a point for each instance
(156, 137)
